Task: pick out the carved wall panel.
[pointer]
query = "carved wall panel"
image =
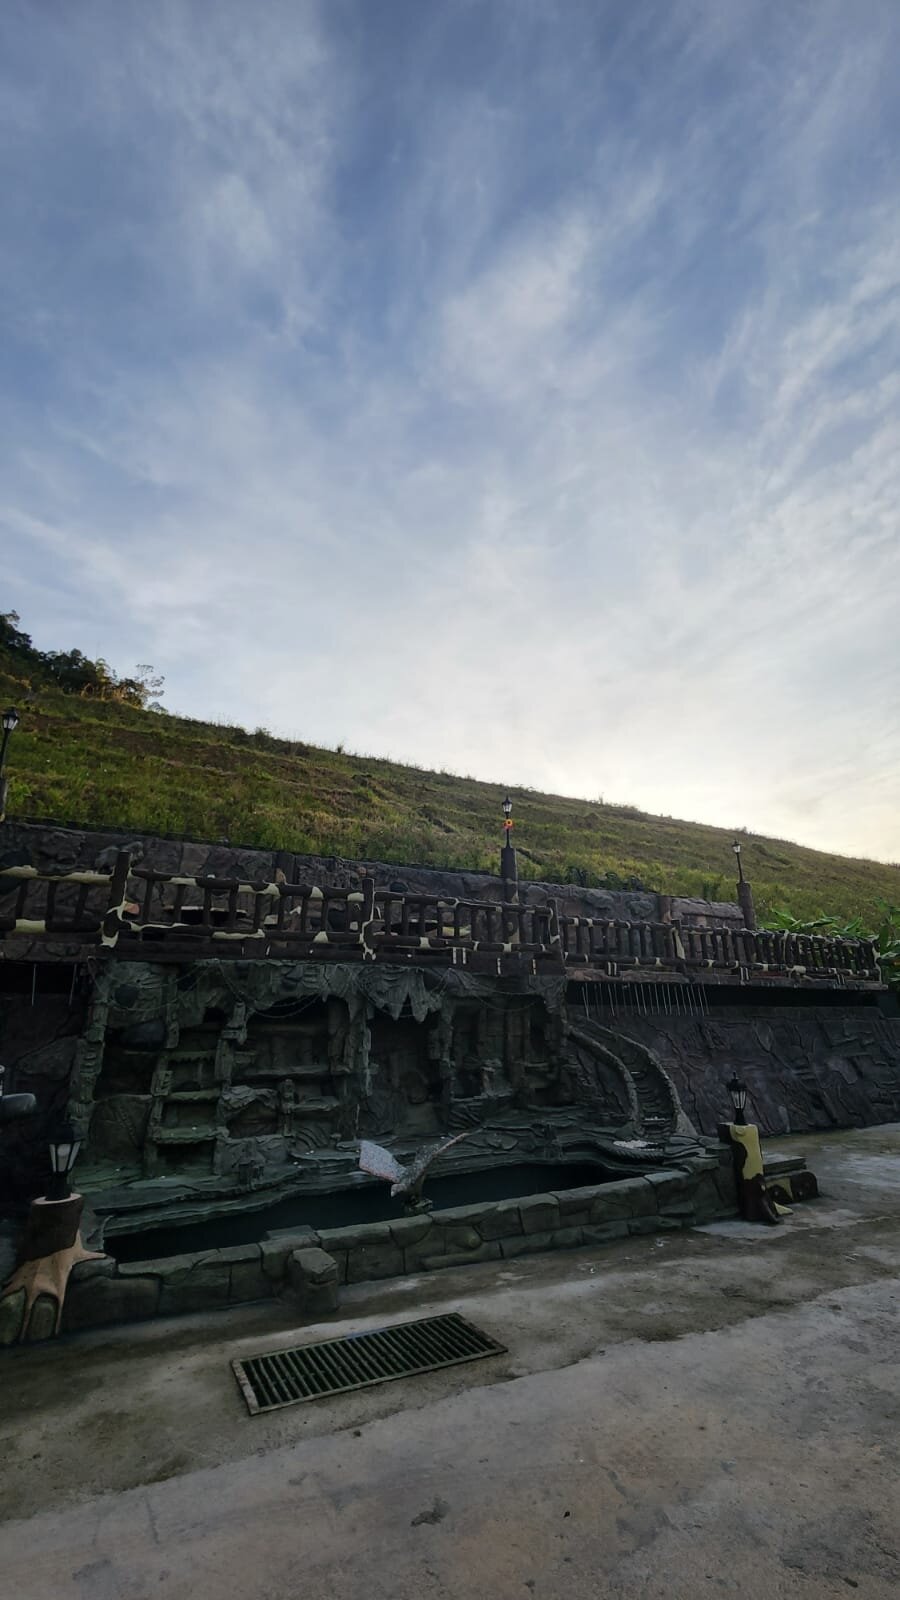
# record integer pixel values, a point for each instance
(809, 1068)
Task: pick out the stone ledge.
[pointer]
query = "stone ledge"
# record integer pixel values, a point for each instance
(99, 1301)
(378, 1260)
(276, 1252)
(358, 1238)
(592, 1215)
(485, 1252)
(462, 1215)
(249, 1282)
(83, 1270)
(539, 1213)
(633, 1197)
(461, 1238)
(570, 1200)
(606, 1232)
(655, 1224)
(312, 1278)
(534, 1243)
(501, 1221)
(412, 1230)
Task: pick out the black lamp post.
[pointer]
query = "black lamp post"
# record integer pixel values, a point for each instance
(10, 721)
(64, 1148)
(744, 892)
(509, 870)
(738, 1091)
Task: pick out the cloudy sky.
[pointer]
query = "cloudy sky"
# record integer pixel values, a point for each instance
(509, 386)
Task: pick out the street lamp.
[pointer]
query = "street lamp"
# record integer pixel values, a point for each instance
(509, 871)
(64, 1148)
(738, 1091)
(10, 721)
(737, 851)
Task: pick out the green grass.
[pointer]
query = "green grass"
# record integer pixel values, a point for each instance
(97, 765)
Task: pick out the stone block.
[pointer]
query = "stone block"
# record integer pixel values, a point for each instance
(105, 1267)
(726, 1184)
(42, 1322)
(410, 1231)
(235, 1254)
(633, 1197)
(575, 1219)
(539, 1213)
(578, 1201)
(203, 1294)
(461, 1238)
(502, 1221)
(606, 1232)
(534, 1243)
(707, 1201)
(460, 1216)
(671, 1184)
(312, 1276)
(432, 1243)
(320, 1301)
(12, 1313)
(276, 1251)
(158, 1267)
(99, 1301)
(654, 1224)
(485, 1252)
(311, 1266)
(684, 1209)
(374, 1261)
(359, 1238)
(198, 1279)
(194, 1283)
(249, 1282)
(342, 1258)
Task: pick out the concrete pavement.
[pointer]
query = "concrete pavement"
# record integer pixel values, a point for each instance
(703, 1414)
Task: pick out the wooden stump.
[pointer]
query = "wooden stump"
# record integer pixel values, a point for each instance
(50, 1249)
(52, 1225)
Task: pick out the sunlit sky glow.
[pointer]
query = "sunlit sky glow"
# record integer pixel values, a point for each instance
(507, 386)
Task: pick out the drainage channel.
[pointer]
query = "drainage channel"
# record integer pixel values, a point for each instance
(357, 1361)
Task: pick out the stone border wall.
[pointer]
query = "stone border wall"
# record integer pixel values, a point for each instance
(54, 848)
(104, 1291)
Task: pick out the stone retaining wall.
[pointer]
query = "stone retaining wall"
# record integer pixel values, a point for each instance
(104, 1291)
(53, 848)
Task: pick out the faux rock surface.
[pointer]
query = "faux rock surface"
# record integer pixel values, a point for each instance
(310, 1265)
(95, 1303)
(12, 1313)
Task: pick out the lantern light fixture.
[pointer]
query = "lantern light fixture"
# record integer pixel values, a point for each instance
(64, 1148)
(738, 1091)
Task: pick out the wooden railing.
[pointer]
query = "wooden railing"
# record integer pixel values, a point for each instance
(142, 909)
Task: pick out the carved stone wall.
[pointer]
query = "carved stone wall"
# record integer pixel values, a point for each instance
(232, 1070)
(806, 1068)
(65, 849)
(39, 1038)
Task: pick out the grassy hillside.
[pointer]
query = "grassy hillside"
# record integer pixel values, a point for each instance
(97, 763)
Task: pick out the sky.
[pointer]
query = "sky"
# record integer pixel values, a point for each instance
(502, 386)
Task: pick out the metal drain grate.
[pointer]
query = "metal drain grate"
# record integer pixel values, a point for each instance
(312, 1371)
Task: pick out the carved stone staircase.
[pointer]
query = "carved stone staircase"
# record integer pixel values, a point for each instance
(655, 1106)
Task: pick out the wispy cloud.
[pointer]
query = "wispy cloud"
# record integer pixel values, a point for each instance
(512, 388)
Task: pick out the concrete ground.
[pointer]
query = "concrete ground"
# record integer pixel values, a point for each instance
(690, 1415)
